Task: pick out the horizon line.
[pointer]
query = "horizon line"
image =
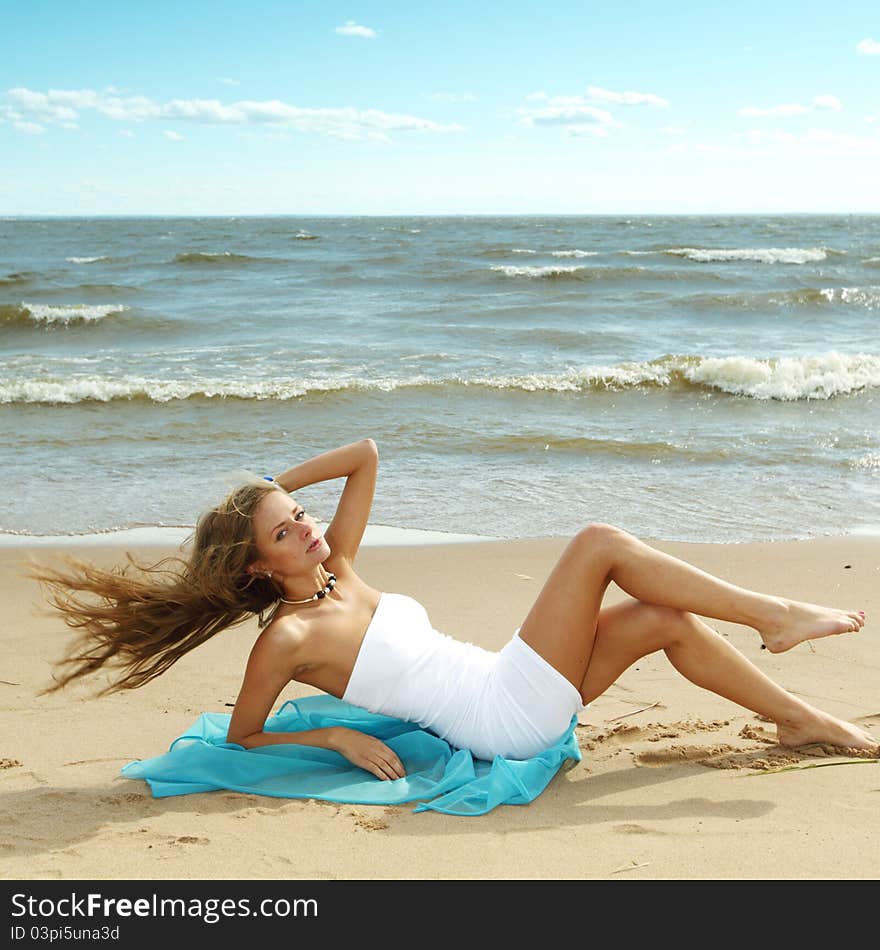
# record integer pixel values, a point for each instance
(447, 214)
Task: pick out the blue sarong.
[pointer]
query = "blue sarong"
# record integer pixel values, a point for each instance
(441, 777)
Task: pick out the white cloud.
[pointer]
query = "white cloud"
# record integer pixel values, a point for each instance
(827, 102)
(672, 130)
(819, 103)
(174, 136)
(229, 82)
(626, 98)
(795, 108)
(350, 28)
(29, 128)
(872, 118)
(39, 105)
(127, 133)
(574, 112)
(564, 113)
(701, 147)
(869, 47)
(66, 104)
(570, 112)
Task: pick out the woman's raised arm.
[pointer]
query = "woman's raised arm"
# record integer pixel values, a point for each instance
(359, 463)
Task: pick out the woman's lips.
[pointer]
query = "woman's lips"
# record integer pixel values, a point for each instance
(313, 544)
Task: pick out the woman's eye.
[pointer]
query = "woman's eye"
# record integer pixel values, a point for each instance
(302, 511)
(281, 534)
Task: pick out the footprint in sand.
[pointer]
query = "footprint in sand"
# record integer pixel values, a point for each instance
(368, 822)
(128, 797)
(631, 829)
(9, 764)
(675, 755)
(626, 734)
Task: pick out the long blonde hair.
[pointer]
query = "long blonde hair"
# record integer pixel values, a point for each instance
(142, 625)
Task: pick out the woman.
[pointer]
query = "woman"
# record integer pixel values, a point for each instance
(260, 552)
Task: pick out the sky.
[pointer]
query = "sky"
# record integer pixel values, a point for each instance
(397, 108)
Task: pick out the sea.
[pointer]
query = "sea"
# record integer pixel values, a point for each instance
(684, 377)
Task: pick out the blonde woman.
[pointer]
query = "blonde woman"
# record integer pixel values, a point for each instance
(260, 553)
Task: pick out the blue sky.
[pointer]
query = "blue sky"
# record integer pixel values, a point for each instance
(154, 107)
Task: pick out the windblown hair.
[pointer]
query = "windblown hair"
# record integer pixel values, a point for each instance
(144, 624)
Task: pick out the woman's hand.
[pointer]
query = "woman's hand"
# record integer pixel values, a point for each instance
(368, 752)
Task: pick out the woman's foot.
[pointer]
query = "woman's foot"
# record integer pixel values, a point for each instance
(822, 727)
(802, 621)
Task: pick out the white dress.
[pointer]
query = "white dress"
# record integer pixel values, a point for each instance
(511, 703)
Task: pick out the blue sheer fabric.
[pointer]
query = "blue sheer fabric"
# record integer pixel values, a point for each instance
(439, 776)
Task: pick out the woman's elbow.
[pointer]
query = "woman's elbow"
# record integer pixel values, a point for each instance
(246, 742)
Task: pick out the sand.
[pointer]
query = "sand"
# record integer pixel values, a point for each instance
(675, 782)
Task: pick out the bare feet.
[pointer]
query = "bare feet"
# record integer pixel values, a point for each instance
(822, 727)
(804, 621)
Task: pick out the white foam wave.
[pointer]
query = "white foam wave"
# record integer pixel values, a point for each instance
(54, 313)
(764, 255)
(523, 250)
(789, 377)
(510, 270)
(819, 376)
(784, 378)
(107, 389)
(868, 297)
(86, 260)
(574, 253)
(872, 460)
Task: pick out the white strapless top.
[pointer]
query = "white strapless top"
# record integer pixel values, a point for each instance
(407, 669)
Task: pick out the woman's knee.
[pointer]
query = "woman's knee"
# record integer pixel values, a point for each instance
(596, 537)
(671, 624)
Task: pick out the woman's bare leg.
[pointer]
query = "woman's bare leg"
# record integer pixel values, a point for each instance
(629, 630)
(561, 625)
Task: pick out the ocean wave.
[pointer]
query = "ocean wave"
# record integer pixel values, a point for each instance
(583, 445)
(871, 460)
(223, 257)
(86, 260)
(764, 255)
(503, 251)
(821, 376)
(25, 314)
(25, 277)
(552, 271)
(782, 378)
(805, 297)
(305, 236)
(574, 253)
(588, 273)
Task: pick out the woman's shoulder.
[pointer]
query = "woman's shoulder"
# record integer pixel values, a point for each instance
(281, 639)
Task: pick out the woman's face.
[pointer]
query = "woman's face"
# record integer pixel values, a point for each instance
(285, 534)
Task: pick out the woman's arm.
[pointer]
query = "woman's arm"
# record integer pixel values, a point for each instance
(365, 751)
(268, 672)
(359, 463)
